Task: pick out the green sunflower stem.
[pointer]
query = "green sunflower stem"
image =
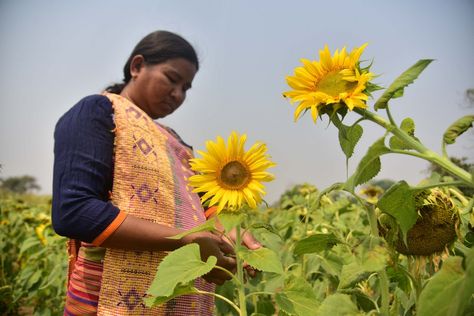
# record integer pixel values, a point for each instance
(425, 153)
(306, 222)
(383, 278)
(384, 292)
(225, 299)
(240, 274)
(374, 230)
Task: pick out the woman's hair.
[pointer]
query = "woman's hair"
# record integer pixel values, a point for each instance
(156, 48)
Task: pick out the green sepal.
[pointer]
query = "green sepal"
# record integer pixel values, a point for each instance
(396, 89)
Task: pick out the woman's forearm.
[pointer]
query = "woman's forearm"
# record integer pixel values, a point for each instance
(138, 234)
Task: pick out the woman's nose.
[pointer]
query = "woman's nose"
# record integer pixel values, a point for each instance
(178, 94)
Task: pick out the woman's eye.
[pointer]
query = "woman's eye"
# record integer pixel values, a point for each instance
(171, 79)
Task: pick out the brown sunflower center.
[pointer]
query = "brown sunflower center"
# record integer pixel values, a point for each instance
(333, 84)
(234, 175)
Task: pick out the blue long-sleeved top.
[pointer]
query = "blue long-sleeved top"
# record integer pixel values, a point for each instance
(83, 170)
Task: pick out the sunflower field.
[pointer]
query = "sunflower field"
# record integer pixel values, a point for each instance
(362, 246)
(33, 258)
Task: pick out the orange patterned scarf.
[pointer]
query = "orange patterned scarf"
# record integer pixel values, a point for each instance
(150, 181)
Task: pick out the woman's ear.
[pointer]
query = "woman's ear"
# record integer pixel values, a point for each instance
(137, 64)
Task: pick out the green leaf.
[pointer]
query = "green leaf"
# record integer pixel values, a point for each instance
(337, 304)
(228, 290)
(408, 126)
(265, 306)
(230, 220)
(34, 278)
(297, 298)
(348, 138)
(369, 166)
(27, 244)
(332, 264)
(315, 243)
(178, 291)
(179, 267)
(209, 225)
(371, 256)
(349, 274)
(262, 259)
(449, 290)
(399, 202)
(274, 282)
(457, 129)
(396, 89)
(269, 228)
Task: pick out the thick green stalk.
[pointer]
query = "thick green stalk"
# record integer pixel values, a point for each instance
(383, 278)
(385, 292)
(306, 221)
(427, 154)
(240, 274)
(374, 230)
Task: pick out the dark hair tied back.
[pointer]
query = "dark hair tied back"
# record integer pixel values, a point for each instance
(156, 48)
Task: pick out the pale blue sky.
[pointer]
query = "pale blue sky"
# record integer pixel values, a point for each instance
(55, 52)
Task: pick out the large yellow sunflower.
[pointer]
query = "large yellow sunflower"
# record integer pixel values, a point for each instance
(229, 175)
(336, 80)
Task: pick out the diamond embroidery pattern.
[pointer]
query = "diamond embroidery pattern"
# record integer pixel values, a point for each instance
(144, 193)
(132, 299)
(144, 146)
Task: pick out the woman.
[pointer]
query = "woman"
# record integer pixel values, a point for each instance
(120, 188)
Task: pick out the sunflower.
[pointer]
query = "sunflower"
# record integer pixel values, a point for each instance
(336, 80)
(229, 175)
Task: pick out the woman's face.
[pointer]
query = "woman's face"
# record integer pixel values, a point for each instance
(160, 89)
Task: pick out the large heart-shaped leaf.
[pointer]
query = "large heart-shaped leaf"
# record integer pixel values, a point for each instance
(180, 267)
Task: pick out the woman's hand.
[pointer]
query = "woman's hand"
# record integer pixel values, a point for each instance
(249, 241)
(213, 245)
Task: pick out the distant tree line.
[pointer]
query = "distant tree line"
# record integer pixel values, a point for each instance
(21, 184)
